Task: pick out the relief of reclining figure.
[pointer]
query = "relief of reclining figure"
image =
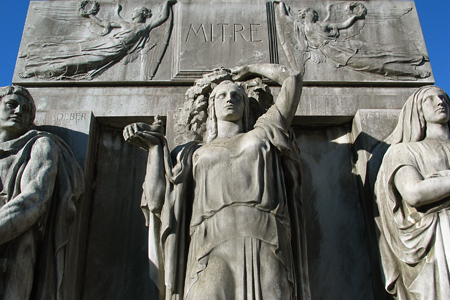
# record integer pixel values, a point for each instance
(305, 37)
(85, 59)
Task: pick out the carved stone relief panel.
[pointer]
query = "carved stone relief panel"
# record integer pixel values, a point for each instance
(352, 41)
(80, 40)
(132, 41)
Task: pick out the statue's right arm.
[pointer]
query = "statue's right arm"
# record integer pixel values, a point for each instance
(154, 186)
(36, 189)
(150, 138)
(107, 25)
(347, 23)
(283, 9)
(416, 190)
(291, 85)
(99, 22)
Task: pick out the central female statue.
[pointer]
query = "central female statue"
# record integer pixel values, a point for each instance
(240, 193)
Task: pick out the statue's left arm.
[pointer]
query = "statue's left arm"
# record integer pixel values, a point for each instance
(417, 190)
(291, 85)
(358, 12)
(36, 188)
(106, 25)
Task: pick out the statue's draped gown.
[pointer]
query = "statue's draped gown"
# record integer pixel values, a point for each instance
(246, 222)
(414, 243)
(240, 225)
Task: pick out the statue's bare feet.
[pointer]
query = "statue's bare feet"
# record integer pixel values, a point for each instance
(26, 75)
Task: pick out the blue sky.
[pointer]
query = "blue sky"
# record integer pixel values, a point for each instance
(432, 15)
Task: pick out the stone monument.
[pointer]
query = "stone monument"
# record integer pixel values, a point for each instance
(94, 67)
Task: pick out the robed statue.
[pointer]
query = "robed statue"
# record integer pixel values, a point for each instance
(224, 209)
(413, 198)
(40, 181)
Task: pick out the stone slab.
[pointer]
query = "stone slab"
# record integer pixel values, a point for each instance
(316, 102)
(77, 129)
(339, 265)
(220, 34)
(206, 35)
(369, 129)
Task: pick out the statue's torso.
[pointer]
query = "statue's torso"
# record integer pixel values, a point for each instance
(242, 170)
(6, 164)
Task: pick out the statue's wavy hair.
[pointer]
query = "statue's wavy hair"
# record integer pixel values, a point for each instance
(196, 120)
(146, 12)
(303, 11)
(21, 91)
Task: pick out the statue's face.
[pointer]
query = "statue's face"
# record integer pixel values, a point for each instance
(435, 108)
(229, 103)
(310, 15)
(15, 113)
(138, 15)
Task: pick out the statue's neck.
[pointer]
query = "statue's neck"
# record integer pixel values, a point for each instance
(8, 135)
(227, 129)
(437, 131)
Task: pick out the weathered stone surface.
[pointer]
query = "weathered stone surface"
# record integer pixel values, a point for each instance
(222, 34)
(318, 103)
(76, 129)
(369, 128)
(334, 217)
(117, 265)
(73, 126)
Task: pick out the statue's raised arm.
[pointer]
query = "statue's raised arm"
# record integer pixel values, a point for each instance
(163, 14)
(291, 85)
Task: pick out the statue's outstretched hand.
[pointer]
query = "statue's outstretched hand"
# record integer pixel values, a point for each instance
(144, 135)
(240, 73)
(358, 10)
